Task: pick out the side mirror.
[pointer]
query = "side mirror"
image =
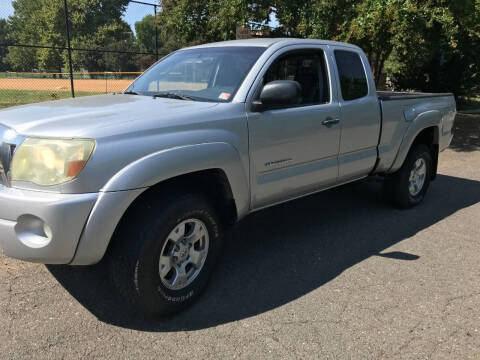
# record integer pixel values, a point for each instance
(278, 94)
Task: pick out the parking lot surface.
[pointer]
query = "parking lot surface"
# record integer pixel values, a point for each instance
(338, 275)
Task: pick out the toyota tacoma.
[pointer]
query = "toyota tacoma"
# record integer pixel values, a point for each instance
(149, 179)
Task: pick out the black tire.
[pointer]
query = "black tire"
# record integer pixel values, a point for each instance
(397, 185)
(136, 248)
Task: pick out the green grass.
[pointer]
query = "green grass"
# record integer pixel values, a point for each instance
(20, 97)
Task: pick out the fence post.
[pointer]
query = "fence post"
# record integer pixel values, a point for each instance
(156, 32)
(69, 47)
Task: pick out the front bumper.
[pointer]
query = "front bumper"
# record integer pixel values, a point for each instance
(42, 227)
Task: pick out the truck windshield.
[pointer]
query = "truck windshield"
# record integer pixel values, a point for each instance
(203, 74)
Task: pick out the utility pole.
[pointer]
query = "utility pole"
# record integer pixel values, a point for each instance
(69, 47)
(156, 32)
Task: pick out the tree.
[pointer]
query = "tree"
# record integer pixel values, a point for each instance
(428, 45)
(145, 38)
(23, 31)
(4, 29)
(197, 21)
(39, 22)
(145, 32)
(373, 25)
(446, 57)
(98, 25)
(93, 23)
(116, 38)
(314, 18)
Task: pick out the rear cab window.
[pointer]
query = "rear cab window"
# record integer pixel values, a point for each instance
(353, 79)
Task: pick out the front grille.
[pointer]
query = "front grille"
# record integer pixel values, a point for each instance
(9, 141)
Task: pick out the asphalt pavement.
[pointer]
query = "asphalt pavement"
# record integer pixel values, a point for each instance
(338, 275)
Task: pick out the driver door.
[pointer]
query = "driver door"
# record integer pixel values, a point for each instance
(294, 150)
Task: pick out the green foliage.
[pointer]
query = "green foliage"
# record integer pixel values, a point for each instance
(427, 45)
(442, 52)
(430, 45)
(116, 36)
(22, 30)
(145, 30)
(196, 21)
(4, 29)
(97, 24)
(94, 24)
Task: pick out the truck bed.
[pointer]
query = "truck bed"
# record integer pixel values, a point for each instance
(399, 111)
(397, 95)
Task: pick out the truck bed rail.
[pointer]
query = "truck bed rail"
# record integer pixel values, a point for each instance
(394, 95)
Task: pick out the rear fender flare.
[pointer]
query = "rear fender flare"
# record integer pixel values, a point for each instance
(425, 120)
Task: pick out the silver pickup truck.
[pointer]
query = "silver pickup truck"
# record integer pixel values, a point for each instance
(150, 178)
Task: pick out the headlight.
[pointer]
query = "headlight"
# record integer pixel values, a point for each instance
(50, 162)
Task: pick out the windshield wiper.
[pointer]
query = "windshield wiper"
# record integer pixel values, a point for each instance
(174, 96)
(130, 93)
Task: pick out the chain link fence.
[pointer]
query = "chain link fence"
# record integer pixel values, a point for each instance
(64, 49)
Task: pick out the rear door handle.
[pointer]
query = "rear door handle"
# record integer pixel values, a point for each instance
(330, 121)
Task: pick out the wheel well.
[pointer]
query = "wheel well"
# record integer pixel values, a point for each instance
(213, 183)
(429, 137)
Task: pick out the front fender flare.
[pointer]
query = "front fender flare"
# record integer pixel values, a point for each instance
(129, 183)
(166, 164)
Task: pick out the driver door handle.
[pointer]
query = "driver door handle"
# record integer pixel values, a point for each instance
(330, 121)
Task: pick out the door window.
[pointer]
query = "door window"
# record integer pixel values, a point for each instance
(308, 69)
(353, 80)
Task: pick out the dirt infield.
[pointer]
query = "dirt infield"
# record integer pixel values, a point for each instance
(103, 85)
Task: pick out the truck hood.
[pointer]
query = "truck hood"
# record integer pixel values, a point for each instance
(96, 116)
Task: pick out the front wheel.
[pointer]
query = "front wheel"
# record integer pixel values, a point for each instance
(408, 186)
(163, 257)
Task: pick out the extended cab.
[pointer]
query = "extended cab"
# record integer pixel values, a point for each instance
(148, 179)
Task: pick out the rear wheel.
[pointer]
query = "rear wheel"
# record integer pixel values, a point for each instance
(408, 186)
(163, 257)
